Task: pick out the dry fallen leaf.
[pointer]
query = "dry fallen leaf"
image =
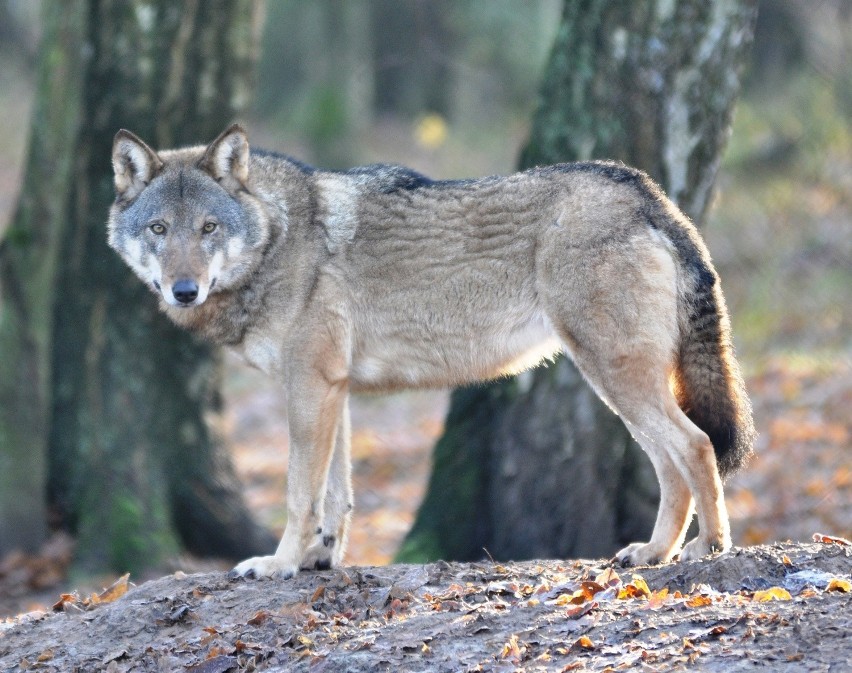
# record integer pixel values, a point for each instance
(259, 617)
(773, 593)
(573, 666)
(657, 598)
(583, 643)
(831, 539)
(115, 590)
(699, 601)
(838, 584)
(64, 599)
(608, 578)
(636, 588)
(319, 593)
(513, 648)
(577, 611)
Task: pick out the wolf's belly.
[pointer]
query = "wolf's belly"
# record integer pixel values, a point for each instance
(438, 359)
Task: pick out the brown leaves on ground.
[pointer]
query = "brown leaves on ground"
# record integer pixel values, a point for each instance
(72, 601)
(540, 616)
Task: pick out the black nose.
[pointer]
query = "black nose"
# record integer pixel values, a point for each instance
(185, 291)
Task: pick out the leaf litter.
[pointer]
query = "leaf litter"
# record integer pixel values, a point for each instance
(539, 616)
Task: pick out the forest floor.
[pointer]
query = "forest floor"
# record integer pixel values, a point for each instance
(779, 606)
(798, 484)
(776, 607)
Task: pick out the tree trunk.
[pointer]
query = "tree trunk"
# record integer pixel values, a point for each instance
(537, 466)
(135, 467)
(28, 260)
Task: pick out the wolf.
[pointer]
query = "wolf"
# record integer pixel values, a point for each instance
(378, 279)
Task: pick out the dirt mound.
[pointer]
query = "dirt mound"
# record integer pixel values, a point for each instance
(739, 611)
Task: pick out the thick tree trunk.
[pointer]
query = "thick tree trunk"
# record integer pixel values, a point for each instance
(130, 403)
(28, 261)
(538, 466)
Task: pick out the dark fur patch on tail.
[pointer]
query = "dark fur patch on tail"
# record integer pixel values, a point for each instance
(709, 386)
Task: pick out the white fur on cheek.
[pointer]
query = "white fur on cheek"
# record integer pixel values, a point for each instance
(154, 269)
(132, 253)
(235, 247)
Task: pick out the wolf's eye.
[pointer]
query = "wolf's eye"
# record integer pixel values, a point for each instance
(209, 227)
(158, 228)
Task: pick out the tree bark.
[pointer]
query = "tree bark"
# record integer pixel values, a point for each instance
(135, 466)
(537, 466)
(28, 261)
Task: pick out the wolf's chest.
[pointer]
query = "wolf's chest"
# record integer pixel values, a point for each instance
(262, 351)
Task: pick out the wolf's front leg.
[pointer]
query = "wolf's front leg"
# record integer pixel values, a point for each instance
(328, 547)
(315, 410)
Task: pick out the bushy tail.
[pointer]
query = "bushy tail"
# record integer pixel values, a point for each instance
(708, 383)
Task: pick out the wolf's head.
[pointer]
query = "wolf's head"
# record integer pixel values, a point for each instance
(185, 220)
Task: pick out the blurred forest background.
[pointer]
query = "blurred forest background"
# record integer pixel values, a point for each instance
(448, 87)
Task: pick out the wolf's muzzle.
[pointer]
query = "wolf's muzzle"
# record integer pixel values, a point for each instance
(185, 291)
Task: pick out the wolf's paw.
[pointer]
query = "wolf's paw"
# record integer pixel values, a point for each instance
(642, 554)
(264, 566)
(322, 554)
(700, 547)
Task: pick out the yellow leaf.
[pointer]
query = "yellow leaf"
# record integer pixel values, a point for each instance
(513, 649)
(773, 593)
(637, 588)
(657, 598)
(699, 601)
(837, 584)
(115, 590)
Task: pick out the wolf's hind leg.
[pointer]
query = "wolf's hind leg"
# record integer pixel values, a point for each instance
(636, 387)
(673, 515)
(327, 549)
(617, 311)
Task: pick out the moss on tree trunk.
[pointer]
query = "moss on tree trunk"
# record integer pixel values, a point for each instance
(538, 466)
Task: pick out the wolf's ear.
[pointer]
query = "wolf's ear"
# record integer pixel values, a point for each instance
(135, 165)
(227, 159)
